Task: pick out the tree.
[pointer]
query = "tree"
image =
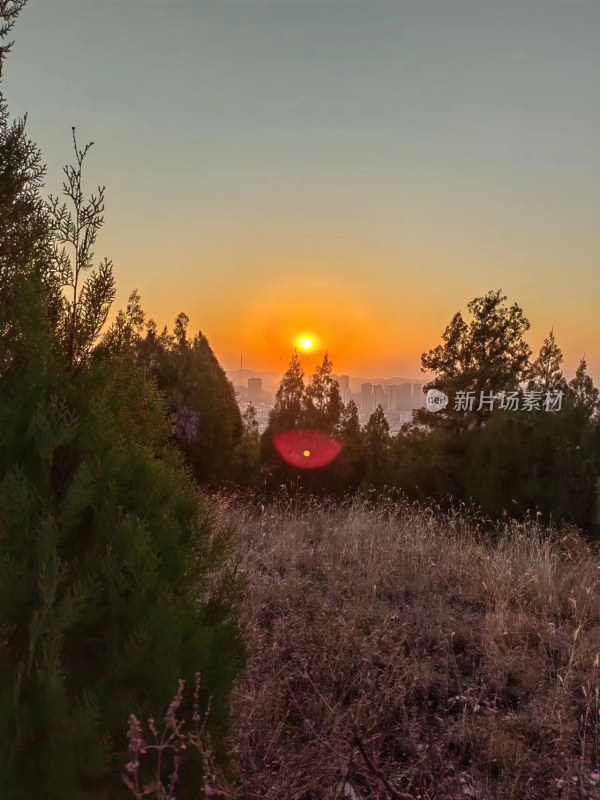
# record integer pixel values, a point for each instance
(9, 11)
(377, 442)
(321, 401)
(287, 410)
(201, 404)
(103, 556)
(106, 554)
(86, 302)
(487, 355)
(350, 466)
(584, 395)
(546, 374)
(245, 461)
(25, 227)
(531, 461)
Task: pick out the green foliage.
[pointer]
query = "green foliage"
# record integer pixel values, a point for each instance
(532, 462)
(86, 302)
(488, 355)
(321, 401)
(350, 466)
(377, 440)
(245, 467)
(287, 411)
(546, 373)
(107, 557)
(200, 399)
(104, 555)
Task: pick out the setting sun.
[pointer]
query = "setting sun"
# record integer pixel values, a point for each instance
(307, 342)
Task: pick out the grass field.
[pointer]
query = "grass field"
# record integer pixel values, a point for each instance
(397, 652)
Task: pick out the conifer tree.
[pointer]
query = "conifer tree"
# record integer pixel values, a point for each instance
(486, 355)
(321, 401)
(86, 300)
(546, 373)
(377, 442)
(106, 554)
(584, 395)
(287, 410)
(201, 402)
(245, 462)
(350, 465)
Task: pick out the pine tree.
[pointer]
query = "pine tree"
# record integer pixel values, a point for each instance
(86, 301)
(245, 461)
(350, 465)
(287, 410)
(377, 442)
(487, 355)
(321, 401)
(206, 420)
(546, 373)
(585, 396)
(105, 551)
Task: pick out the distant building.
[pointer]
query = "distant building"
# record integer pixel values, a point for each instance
(255, 390)
(418, 396)
(366, 397)
(391, 393)
(378, 396)
(343, 382)
(404, 397)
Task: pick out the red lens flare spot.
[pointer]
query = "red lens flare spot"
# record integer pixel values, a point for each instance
(306, 449)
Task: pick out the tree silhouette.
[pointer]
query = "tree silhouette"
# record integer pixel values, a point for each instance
(87, 301)
(487, 355)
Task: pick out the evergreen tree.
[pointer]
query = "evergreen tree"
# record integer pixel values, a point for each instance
(287, 410)
(350, 466)
(546, 373)
(285, 415)
(584, 395)
(245, 462)
(321, 401)
(105, 552)
(201, 402)
(87, 300)
(487, 355)
(377, 442)
(103, 557)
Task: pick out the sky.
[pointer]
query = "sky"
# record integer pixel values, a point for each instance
(359, 170)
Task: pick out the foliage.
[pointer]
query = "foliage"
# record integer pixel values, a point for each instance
(201, 402)
(488, 354)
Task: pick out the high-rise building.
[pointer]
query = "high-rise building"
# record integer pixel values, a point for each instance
(343, 382)
(346, 395)
(391, 393)
(404, 397)
(418, 396)
(254, 390)
(378, 396)
(366, 397)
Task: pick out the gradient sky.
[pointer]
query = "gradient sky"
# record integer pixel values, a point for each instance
(362, 169)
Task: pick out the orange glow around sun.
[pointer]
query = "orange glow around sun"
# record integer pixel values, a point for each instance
(307, 342)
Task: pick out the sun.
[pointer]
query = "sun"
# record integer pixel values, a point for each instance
(307, 342)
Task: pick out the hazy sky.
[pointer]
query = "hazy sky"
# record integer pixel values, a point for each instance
(359, 169)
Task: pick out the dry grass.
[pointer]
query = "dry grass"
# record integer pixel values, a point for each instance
(402, 653)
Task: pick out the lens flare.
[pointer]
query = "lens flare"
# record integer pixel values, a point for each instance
(306, 449)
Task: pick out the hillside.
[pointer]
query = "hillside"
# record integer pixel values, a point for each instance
(397, 653)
